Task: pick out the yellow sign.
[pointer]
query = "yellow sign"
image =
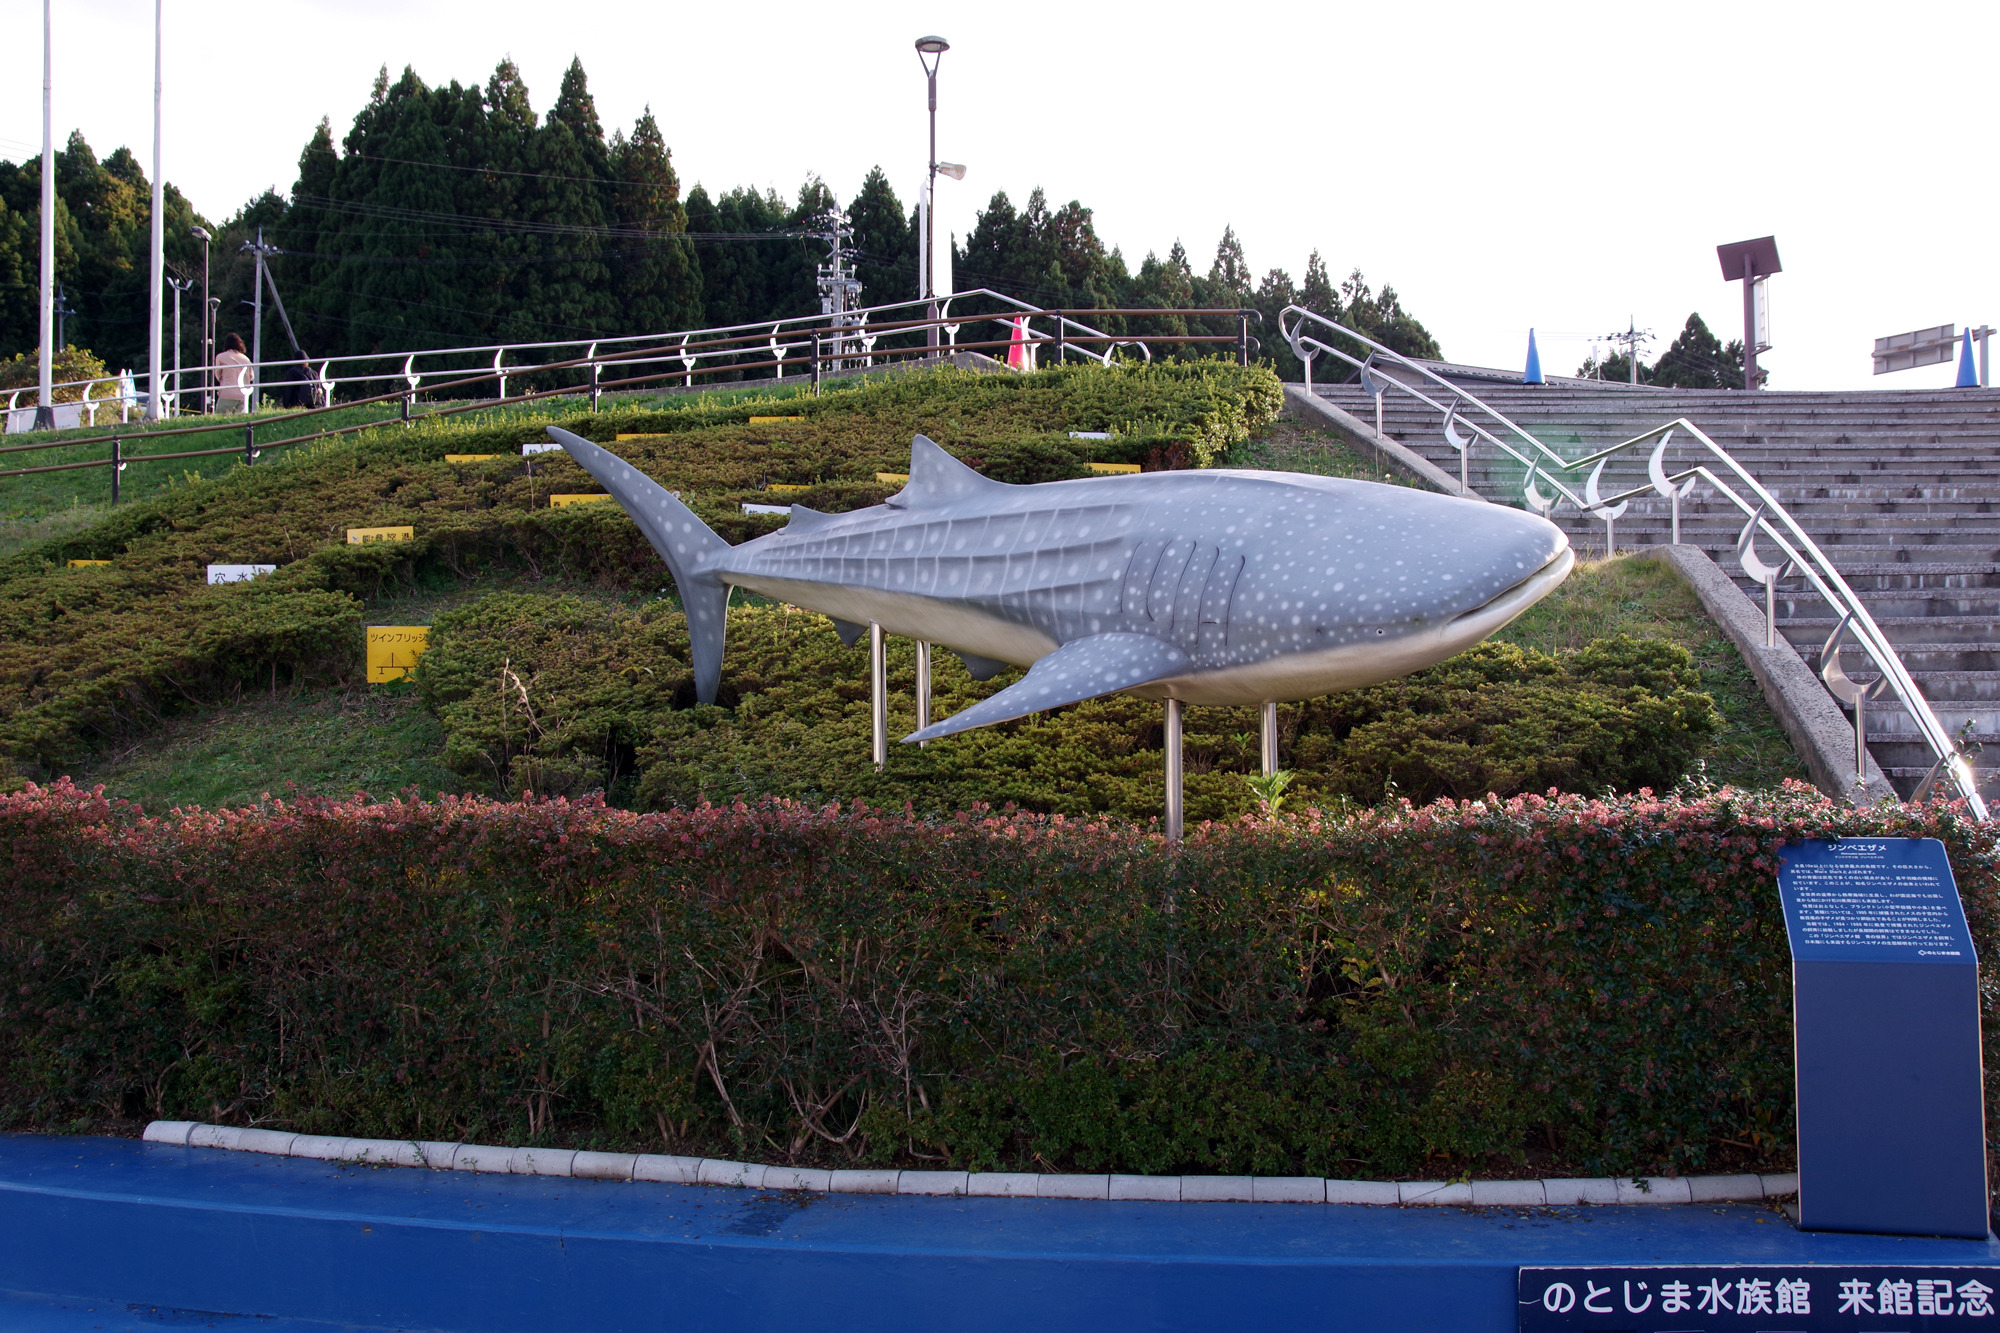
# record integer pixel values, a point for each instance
(893, 478)
(643, 435)
(86, 564)
(393, 651)
(362, 536)
(765, 421)
(559, 501)
(1113, 468)
(774, 486)
(468, 458)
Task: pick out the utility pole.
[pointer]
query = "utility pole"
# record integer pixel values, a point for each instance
(1633, 338)
(839, 289)
(259, 249)
(45, 412)
(157, 299)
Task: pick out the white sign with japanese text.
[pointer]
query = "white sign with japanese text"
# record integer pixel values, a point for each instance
(1797, 1298)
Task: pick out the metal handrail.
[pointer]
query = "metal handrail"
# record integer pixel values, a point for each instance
(782, 338)
(1762, 510)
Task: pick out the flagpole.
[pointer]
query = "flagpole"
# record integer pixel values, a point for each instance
(46, 416)
(158, 302)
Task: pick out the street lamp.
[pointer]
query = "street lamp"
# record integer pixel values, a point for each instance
(930, 53)
(207, 324)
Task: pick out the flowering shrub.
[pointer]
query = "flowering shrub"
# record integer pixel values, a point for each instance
(1554, 985)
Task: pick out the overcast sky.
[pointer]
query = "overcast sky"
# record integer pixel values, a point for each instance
(1562, 166)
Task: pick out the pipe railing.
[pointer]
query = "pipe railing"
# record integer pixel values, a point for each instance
(682, 349)
(1763, 514)
(851, 336)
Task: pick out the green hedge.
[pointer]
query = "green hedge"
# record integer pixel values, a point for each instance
(561, 695)
(1544, 986)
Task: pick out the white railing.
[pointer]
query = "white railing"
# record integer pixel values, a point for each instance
(837, 342)
(1761, 509)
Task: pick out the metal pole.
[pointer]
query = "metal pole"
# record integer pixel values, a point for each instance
(1771, 611)
(207, 329)
(257, 331)
(1677, 515)
(1243, 340)
(815, 363)
(1173, 748)
(1268, 736)
(117, 465)
(178, 289)
(878, 695)
(1983, 333)
(156, 304)
(1749, 322)
(249, 443)
(923, 688)
(45, 415)
(1860, 737)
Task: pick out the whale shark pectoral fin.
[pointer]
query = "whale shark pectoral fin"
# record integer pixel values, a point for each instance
(981, 668)
(849, 632)
(937, 478)
(1080, 669)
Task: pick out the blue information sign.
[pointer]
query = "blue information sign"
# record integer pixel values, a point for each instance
(1873, 900)
(1885, 1004)
(1733, 1298)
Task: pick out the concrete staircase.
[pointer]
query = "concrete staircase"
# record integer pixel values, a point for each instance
(1900, 489)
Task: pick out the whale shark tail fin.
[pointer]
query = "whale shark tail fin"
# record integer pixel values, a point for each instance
(687, 544)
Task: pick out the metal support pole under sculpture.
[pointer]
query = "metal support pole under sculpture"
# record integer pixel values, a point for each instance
(878, 696)
(1267, 716)
(923, 688)
(1173, 749)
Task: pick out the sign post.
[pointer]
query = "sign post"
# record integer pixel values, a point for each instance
(1750, 262)
(1885, 995)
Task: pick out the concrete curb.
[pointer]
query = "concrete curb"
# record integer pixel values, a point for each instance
(977, 1184)
(1304, 406)
(1818, 730)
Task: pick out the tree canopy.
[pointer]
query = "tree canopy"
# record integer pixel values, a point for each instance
(456, 215)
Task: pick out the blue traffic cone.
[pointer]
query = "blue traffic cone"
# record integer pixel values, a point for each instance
(1533, 374)
(1968, 375)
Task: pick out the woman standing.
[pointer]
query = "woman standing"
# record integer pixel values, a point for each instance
(232, 376)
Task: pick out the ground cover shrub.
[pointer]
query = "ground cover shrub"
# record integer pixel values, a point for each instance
(562, 695)
(1495, 987)
(90, 655)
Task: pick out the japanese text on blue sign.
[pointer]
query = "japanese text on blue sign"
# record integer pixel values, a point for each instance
(1812, 1299)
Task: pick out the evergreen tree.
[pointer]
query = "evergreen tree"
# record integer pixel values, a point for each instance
(565, 293)
(885, 243)
(1698, 360)
(656, 279)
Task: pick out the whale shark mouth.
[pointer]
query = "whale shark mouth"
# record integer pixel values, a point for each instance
(1511, 602)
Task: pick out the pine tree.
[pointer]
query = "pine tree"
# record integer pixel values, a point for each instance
(885, 243)
(655, 277)
(565, 294)
(1697, 360)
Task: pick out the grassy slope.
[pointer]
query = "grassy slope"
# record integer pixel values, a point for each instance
(380, 740)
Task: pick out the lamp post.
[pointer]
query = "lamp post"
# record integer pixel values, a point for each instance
(180, 286)
(207, 325)
(930, 53)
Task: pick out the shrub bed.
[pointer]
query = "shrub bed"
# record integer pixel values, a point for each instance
(562, 695)
(1533, 985)
(90, 655)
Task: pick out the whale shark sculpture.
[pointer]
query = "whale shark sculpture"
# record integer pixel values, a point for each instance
(1211, 586)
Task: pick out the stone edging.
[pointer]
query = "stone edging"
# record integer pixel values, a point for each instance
(977, 1184)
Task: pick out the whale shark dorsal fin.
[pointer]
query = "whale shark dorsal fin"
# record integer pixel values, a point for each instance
(936, 478)
(1080, 669)
(805, 520)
